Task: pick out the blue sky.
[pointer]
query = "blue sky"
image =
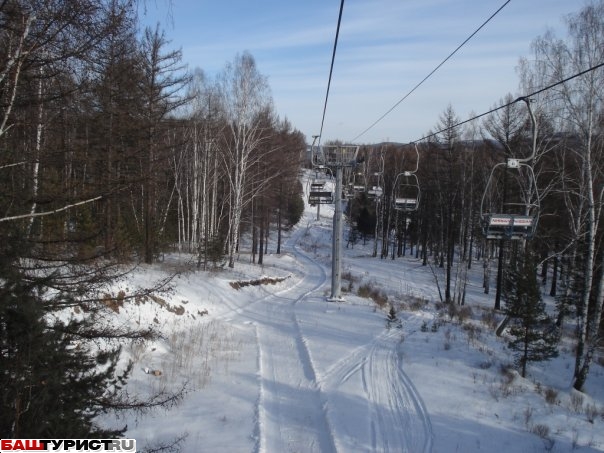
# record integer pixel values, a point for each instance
(385, 48)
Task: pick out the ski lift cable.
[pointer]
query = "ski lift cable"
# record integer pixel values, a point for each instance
(521, 98)
(333, 57)
(431, 73)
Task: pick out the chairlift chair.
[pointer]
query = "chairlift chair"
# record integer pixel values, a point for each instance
(317, 156)
(358, 183)
(406, 192)
(317, 184)
(508, 223)
(375, 190)
(347, 192)
(515, 219)
(318, 181)
(340, 155)
(508, 226)
(318, 193)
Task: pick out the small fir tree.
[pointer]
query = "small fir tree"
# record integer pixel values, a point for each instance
(392, 319)
(534, 334)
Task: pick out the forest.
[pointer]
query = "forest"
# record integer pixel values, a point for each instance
(113, 154)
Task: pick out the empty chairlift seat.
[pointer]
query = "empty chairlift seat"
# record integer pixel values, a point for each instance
(319, 194)
(405, 204)
(317, 185)
(323, 197)
(508, 226)
(375, 192)
(407, 193)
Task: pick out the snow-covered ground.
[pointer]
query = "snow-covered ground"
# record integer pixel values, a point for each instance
(276, 368)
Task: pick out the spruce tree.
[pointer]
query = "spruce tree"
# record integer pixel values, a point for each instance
(533, 332)
(392, 319)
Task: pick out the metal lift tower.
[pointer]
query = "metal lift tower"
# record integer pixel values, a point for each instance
(338, 157)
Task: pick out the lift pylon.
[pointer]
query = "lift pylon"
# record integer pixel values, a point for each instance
(338, 158)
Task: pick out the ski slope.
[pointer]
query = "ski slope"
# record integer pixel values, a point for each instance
(303, 404)
(278, 368)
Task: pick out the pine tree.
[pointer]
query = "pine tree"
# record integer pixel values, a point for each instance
(533, 332)
(51, 386)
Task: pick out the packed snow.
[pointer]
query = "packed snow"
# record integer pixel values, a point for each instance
(270, 365)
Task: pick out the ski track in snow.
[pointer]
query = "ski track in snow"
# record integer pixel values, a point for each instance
(398, 418)
(400, 423)
(293, 411)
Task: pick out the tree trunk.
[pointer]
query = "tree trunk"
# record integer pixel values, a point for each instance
(279, 209)
(261, 236)
(524, 358)
(552, 291)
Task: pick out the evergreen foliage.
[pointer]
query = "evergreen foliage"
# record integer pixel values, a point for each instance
(392, 319)
(569, 289)
(534, 336)
(295, 209)
(361, 211)
(392, 314)
(366, 221)
(52, 386)
(213, 251)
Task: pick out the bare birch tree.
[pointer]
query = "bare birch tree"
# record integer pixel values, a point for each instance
(201, 201)
(246, 98)
(579, 104)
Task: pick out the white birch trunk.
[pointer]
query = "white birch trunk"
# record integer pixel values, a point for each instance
(37, 151)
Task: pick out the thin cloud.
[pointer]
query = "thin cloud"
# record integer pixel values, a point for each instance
(385, 47)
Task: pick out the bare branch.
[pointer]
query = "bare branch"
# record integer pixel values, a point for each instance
(54, 211)
(12, 165)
